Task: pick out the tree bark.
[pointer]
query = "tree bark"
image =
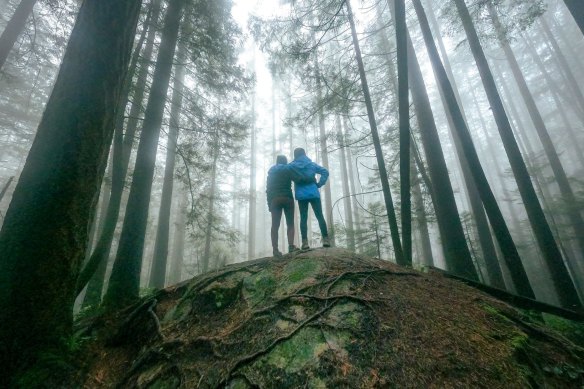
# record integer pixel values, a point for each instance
(563, 282)
(345, 183)
(14, 28)
(158, 271)
(397, 247)
(456, 252)
(95, 268)
(355, 202)
(44, 235)
(178, 245)
(252, 181)
(489, 202)
(210, 214)
(124, 283)
(404, 129)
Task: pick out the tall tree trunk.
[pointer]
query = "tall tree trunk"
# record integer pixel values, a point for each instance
(456, 252)
(14, 28)
(252, 181)
(211, 212)
(404, 128)
(560, 274)
(94, 268)
(44, 235)
(489, 202)
(124, 283)
(576, 8)
(178, 244)
(483, 231)
(535, 213)
(355, 202)
(427, 258)
(158, 272)
(328, 206)
(345, 183)
(376, 142)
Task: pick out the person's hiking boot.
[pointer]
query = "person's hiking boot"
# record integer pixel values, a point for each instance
(277, 253)
(305, 245)
(292, 248)
(326, 242)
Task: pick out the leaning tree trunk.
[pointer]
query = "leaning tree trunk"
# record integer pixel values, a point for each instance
(456, 253)
(560, 275)
(124, 283)
(95, 268)
(491, 207)
(576, 8)
(14, 28)
(5, 187)
(397, 247)
(44, 235)
(487, 245)
(404, 128)
(539, 224)
(158, 271)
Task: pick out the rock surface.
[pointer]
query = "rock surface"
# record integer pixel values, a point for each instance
(324, 318)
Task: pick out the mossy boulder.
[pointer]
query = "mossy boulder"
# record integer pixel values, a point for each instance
(328, 318)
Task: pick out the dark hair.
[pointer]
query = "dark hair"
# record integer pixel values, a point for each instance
(299, 152)
(281, 160)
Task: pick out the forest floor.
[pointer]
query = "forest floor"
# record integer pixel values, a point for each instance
(325, 318)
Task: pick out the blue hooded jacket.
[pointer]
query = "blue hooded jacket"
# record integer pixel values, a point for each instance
(305, 167)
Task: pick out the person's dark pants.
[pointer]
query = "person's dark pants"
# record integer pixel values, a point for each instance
(317, 209)
(278, 205)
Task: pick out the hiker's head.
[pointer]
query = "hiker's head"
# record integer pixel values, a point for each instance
(299, 152)
(281, 160)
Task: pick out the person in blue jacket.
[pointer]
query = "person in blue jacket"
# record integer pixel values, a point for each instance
(308, 193)
(280, 199)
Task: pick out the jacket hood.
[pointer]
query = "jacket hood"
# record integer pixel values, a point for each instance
(302, 161)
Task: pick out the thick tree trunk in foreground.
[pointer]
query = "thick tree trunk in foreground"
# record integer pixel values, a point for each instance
(158, 271)
(395, 238)
(124, 283)
(14, 28)
(122, 148)
(44, 236)
(491, 207)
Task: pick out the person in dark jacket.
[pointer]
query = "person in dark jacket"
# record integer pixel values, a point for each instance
(280, 198)
(308, 193)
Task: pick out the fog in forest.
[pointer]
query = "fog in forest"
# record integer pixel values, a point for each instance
(483, 160)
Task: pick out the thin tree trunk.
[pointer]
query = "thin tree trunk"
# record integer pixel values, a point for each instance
(393, 226)
(355, 201)
(324, 154)
(345, 183)
(252, 182)
(158, 272)
(94, 266)
(560, 274)
(178, 245)
(5, 188)
(124, 283)
(427, 259)
(564, 66)
(210, 214)
(44, 235)
(14, 28)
